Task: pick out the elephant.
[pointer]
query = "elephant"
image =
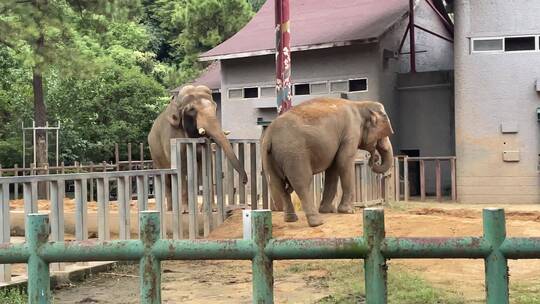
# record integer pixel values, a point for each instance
(190, 114)
(322, 134)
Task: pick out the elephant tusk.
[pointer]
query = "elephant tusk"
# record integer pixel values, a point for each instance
(227, 132)
(202, 131)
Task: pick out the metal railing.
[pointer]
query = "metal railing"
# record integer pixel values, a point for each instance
(493, 247)
(403, 177)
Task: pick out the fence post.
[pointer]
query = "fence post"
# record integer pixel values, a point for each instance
(81, 210)
(37, 234)
(91, 184)
(406, 178)
(262, 265)
(57, 216)
(206, 164)
(375, 264)
(438, 179)
(117, 156)
(149, 265)
(103, 208)
(5, 269)
(192, 193)
(16, 185)
(396, 178)
(176, 190)
(241, 185)
(453, 178)
(495, 263)
(422, 180)
(219, 185)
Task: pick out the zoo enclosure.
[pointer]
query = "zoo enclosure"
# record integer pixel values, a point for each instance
(206, 209)
(493, 247)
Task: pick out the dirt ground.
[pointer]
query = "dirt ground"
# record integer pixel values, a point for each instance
(230, 282)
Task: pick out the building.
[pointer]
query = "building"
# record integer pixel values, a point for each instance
(351, 49)
(497, 100)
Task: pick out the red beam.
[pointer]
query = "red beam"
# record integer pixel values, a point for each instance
(283, 56)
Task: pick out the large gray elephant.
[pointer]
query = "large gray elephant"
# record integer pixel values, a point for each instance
(190, 114)
(322, 134)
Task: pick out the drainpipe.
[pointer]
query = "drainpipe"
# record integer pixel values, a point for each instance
(283, 56)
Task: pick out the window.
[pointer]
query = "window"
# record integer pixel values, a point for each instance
(339, 86)
(235, 93)
(513, 44)
(505, 44)
(301, 89)
(251, 92)
(268, 91)
(487, 45)
(358, 85)
(319, 88)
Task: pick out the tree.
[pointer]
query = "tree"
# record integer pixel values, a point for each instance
(257, 4)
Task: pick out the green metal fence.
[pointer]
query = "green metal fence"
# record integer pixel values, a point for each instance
(494, 247)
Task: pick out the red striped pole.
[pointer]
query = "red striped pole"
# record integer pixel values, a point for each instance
(283, 56)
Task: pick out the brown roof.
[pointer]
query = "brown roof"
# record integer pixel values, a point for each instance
(314, 24)
(210, 77)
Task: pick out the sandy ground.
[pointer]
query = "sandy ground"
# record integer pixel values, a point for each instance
(230, 282)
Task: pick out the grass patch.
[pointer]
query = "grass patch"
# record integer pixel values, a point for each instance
(13, 296)
(345, 284)
(521, 293)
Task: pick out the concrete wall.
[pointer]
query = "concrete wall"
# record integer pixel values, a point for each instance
(240, 115)
(492, 89)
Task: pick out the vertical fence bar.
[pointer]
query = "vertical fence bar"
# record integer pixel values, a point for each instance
(117, 156)
(103, 208)
(206, 183)
(81, 210)
(16, 185)
(364, 180)
(39, 289)
(406, 178)
(396, 178)
(422, 180)
(253, 174)
(142, 193)
(219, 185)
(192, 184)
(262, 265)
(241, 186)
(91, 183)
(358, 181)
(375, 264)
(496, 265)
(57, 216)
(141, 155)
(130, 190)
(175, 190)
(438, 179)
(5, 269)
(453, 178)
(149, 265)
(230, 184)
(159, 185)
(264, 191)
(122, 210)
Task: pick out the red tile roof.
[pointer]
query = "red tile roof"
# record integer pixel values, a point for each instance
(314, 23)
(210, 77)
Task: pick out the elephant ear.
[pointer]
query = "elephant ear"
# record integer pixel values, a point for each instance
(173, 114)
(373, 117)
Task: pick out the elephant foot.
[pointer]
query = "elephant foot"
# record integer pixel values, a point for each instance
(291, 217)
(326, 208)
(345, 208)
(314, 220)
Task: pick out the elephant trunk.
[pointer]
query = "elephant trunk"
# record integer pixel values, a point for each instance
(212, 129)
(384, 147)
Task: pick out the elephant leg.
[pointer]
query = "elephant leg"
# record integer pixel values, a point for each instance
(282, 198)
(346, 176)
(331, 176)
(300, 176)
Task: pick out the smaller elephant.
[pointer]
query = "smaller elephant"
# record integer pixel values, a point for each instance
(323, 135)
(190, 114)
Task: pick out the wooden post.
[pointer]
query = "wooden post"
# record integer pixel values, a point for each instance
(141, 156)
(422, 180)
(241, 186)
(91, 183)
(453, 176)
(253, 176)
(396, 178)
(406, 178)
(438, 179)
(16, 185)
(117, 157)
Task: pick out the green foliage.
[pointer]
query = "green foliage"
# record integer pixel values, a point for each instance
(106, 64)
(13, 296)
(257, 4)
